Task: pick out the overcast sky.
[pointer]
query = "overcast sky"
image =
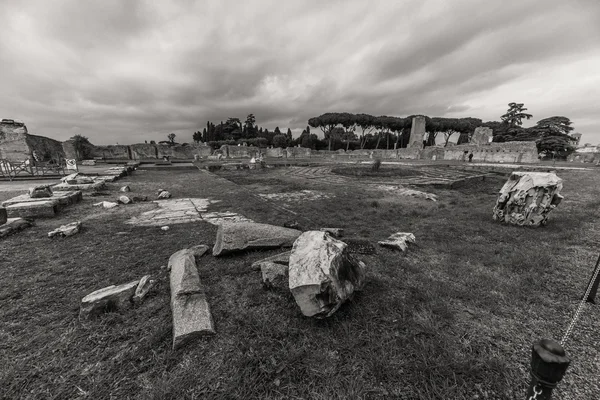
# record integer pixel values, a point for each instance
(127, 71)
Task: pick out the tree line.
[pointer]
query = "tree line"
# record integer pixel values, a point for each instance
(349, 131)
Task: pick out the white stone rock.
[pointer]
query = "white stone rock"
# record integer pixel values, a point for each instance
(66, 230)
(323, 274)
(164, 228)
(124, 200)
(527, 198)
(164, 195)
(142, 289)
(125, 188)
(110, 298)
(398, 241)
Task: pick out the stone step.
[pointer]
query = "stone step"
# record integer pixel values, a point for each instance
(40, 208)
(62, 198)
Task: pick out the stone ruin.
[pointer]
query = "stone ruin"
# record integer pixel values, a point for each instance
(527, 198)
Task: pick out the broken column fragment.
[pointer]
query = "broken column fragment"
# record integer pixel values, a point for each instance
(107, 299)
(527, 198)
(239, 236)
(323, 274)
(191, 312)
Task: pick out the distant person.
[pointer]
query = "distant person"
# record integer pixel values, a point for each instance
(470, 157)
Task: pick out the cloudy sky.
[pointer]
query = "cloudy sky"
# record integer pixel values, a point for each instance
(127, 71)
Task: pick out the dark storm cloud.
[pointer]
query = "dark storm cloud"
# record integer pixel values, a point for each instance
(127, 71)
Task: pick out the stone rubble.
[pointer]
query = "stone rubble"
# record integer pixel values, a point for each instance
(164, 195)
(142, 289)
(233, 237)
(125, 188)
(274, 275)
(323, 274)
(124, 200)
(107, 204)
(283, 259)
(66, 230)
(527, 198)
(40, 192)
(398, 241)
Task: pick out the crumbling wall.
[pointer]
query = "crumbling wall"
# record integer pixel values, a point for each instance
(584, 157)
(275, 152)
(112, 152)
(241, 151)
(507, 152)
(298, 152)
(13, 142)
(143, 151)
(46, 148)
(177, 152)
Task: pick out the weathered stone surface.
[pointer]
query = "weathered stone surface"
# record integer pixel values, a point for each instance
(107, 204)
(125, 189)
(14, 225)
(191, 312)
(199, 250)
(66, 230)
(107, 299)
(283, 259)
(274, 275)
(40, 208)
(191, 319)
(164, 195)
(40, 192)
(3, 216)
(417, 132)
(335, 232)
(527, 198)
(323, 274)
(124, 200)
(143, 288)
(59, 197)
(232, 237)
(184, 274)
(81, 186)
(398, 241)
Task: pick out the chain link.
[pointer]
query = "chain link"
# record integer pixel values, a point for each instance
(580, 307)
(535, 392)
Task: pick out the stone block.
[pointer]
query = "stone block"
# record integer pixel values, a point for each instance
(40, 192)
(111, 298)
(527, 198)
(232, 237)
(417, 132)
(323, 274)
(40, 208)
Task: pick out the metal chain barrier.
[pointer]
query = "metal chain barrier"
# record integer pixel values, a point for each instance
(537, 390)
(580, 307)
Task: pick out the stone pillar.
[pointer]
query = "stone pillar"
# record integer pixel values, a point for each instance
(482, 135)
(417, 132)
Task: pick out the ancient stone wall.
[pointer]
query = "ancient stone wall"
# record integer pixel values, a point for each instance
(508, 152)
(275, 152)
(46, 148)
(298, 152)
(112, 152)
(241, 151)
(417, 132)
(13, 142)
(143, 151)
(586, 157)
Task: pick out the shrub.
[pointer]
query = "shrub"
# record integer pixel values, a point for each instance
(376, 165)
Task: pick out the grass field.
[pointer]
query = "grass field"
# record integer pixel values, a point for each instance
(453, 318)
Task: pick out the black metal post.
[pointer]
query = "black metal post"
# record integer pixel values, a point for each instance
(548, 366)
